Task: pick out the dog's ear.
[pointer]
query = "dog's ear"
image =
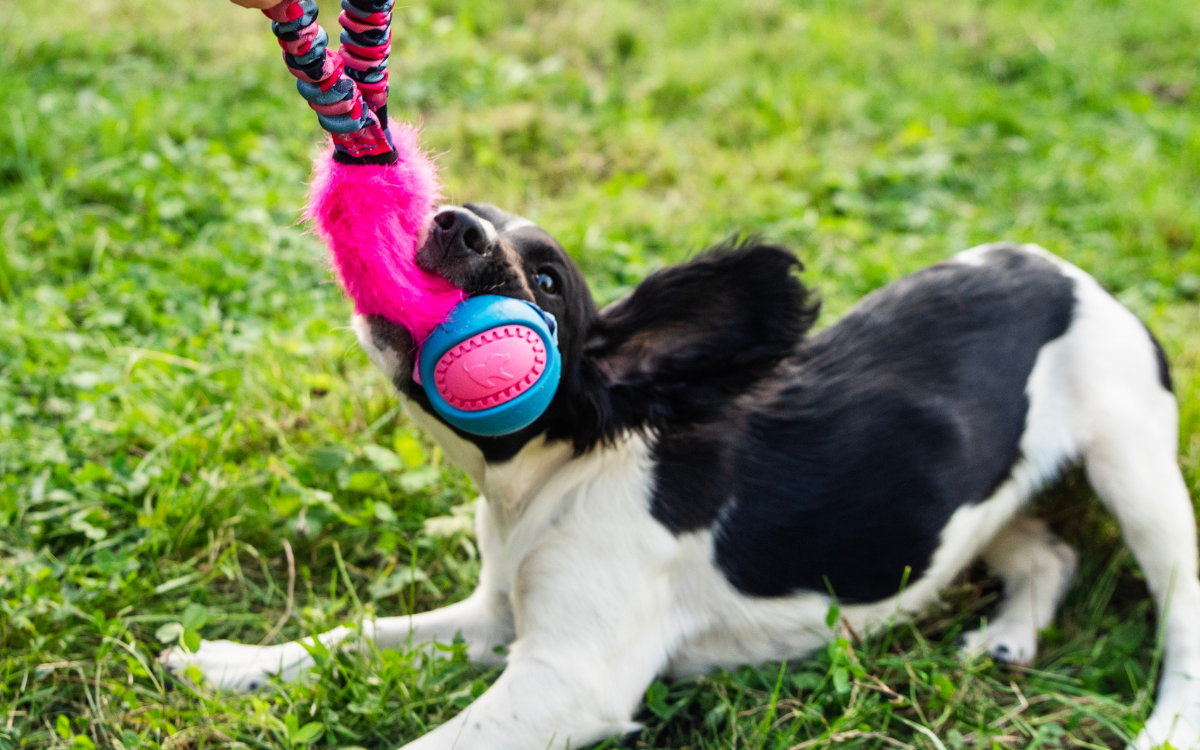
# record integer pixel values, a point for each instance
(706, 329)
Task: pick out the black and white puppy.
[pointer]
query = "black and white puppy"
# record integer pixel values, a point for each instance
(707, 472)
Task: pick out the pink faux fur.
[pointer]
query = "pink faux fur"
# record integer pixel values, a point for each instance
(373, 219)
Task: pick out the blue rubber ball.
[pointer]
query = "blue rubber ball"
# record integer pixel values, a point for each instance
(492, 368)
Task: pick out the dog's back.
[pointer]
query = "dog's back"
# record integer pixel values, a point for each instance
(880, 427)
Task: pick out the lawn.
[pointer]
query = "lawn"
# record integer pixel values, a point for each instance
(180, 395)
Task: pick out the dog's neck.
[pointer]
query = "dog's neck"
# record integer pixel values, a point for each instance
(547, 482)
(509, 486)
(512, 485)
(529, 490)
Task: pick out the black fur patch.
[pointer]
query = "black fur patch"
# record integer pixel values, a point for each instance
(845, 466)
(693, 471)
(1164, 367)
(692, 338)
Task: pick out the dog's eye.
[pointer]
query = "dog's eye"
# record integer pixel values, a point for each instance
(547, 282)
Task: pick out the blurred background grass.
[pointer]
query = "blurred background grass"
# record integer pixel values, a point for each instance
(179, 392)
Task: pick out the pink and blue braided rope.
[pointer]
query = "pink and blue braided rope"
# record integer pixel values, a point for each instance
(348, 88)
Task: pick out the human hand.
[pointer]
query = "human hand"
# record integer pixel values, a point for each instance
(259, 4)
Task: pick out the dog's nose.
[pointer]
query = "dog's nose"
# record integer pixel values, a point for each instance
(458, 232)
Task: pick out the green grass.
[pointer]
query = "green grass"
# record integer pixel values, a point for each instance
(179, 393)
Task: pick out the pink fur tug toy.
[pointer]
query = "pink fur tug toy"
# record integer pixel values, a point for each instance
(373, 194)
(490, 365)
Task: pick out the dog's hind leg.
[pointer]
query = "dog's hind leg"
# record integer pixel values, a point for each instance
(1136, 475)
(1126, 422)
(1130, 437)
(1037, 569)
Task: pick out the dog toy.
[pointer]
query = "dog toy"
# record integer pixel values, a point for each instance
(490, 365)
(493, 366)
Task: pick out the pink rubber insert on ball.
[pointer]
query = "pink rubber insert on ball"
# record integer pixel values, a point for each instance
(490, 368)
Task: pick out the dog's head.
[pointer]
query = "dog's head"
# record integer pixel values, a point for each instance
(688, 339)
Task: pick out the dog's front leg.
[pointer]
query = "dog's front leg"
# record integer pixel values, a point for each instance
(594, 613)
(484, 620)
(546, 705)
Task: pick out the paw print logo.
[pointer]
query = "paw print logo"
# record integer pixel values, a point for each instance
(490, 373)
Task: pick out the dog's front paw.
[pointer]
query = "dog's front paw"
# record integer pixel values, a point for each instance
(226, 665)
(1004, 645)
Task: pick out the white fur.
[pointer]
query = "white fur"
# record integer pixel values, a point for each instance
(518, 223)
(593, 597)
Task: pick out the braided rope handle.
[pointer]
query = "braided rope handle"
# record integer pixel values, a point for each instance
(348, 88)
